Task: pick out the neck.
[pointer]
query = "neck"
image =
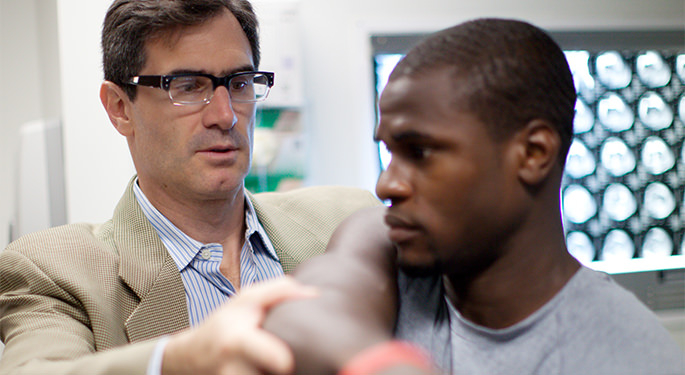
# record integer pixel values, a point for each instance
(205, 220)
(530, 271)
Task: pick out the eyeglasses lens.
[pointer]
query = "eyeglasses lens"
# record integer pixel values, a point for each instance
(191, 89)
(244, 88)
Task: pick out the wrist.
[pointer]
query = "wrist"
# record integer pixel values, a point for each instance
(383, 357)
(174, 360)
(154, 366)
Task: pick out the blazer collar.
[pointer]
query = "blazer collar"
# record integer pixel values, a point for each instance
(148, 269)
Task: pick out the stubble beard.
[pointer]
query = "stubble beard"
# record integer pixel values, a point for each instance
(419, 269)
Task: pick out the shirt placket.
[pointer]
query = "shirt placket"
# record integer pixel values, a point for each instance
(208, 264)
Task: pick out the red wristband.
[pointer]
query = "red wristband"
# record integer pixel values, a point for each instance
(386, 355)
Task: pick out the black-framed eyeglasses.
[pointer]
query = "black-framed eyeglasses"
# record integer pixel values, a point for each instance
(198, 88)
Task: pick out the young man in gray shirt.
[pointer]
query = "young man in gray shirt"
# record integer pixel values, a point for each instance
(479, 120)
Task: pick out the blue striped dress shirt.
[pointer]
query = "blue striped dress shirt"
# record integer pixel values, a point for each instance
(205, 286)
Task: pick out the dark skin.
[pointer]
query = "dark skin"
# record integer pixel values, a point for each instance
(326, 332)
(367, 321)
(481, 212)
(485, 211)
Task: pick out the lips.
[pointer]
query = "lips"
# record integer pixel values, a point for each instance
(401, 230)
(219, 148)
(219, 155)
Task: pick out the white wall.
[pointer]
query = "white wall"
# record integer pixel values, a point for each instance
(3, 158)
(5, 134)
(97, 162)
(337, 74)
(29, 72)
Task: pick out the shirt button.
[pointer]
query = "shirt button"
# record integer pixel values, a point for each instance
(206, 254)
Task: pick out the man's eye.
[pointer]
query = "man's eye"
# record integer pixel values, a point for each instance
(188, 84)
(418, 152)
(237, 85)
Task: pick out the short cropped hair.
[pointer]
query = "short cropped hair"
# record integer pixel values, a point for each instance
(129, 24)
(506, 72)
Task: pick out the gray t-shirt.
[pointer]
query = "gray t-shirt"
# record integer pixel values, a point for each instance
(592, 326)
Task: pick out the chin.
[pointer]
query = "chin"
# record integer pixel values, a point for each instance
(223, 181)
(418, 266)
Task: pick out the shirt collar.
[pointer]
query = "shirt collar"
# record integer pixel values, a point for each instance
(254, 226)
(182, 247)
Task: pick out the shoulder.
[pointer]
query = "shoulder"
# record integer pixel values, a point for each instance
(330, 195)
(599, 295)
(598, 299)
(622, 330)
(311, 203)
(66, 244)
(299, 223)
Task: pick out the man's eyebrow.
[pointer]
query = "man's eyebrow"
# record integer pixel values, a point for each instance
(410, 135)
(406, 136)
(186, 71)
(244, 68)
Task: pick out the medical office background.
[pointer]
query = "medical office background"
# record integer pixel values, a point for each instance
(58, 149)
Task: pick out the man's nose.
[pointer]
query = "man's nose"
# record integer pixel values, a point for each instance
(220, 110)
(391, 185)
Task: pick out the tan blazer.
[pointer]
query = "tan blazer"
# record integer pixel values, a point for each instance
(71, 297)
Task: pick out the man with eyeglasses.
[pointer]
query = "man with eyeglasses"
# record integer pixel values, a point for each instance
(181, 85)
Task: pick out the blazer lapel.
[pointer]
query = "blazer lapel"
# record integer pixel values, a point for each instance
(148, 269)
(300, 222)
(289, 232)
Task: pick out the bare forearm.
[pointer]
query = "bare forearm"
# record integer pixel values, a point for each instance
(357, 303)
(358, 268)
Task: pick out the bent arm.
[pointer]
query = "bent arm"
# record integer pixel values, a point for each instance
(358, 297)
(46, 331)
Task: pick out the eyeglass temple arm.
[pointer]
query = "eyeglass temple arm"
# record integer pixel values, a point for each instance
(151, 81)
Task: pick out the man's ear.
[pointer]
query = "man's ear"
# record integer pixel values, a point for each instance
(541, 144)
(118, 106)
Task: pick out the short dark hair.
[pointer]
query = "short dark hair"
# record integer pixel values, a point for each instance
(129, 24)
(506, 72)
